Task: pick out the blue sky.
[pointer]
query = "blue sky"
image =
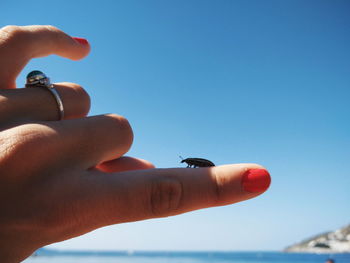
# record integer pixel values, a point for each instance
(231, 81)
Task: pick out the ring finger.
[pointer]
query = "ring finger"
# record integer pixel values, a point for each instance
(18, 106)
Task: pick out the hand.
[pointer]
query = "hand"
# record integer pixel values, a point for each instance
(61, 179)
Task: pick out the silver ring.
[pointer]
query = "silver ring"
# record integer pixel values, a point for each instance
(36, 79)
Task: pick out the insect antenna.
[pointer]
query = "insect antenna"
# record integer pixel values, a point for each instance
(181, 157)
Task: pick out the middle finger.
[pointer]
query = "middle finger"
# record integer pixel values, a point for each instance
(78, 143)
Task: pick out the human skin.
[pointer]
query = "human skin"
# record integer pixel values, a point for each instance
(62, 179)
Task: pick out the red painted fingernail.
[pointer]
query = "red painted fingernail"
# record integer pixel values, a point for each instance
(256, 180)
(82, 41)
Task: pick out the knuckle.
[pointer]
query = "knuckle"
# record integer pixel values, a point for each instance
(166, 195)
(11, 33)
(7, 147)
(54, 34)
(83, 98)
(123, 128)
(9, 29)
(51, 28)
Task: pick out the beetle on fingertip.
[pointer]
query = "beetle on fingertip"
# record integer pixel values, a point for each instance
(197, 162)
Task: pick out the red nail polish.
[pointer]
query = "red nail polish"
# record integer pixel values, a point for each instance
(256, 180)
(82, 41)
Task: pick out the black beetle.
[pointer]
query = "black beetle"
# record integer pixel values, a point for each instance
(197, 162)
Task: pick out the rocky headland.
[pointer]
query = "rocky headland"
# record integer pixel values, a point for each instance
(337, 241)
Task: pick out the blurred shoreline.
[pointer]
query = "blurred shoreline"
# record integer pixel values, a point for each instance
(56, 256)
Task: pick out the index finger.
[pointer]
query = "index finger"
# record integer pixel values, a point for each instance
(179, 190)
(19, 44)
(143, 194)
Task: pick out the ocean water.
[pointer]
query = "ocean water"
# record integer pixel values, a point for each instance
(193, 257)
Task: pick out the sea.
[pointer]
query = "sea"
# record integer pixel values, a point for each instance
(189, 257)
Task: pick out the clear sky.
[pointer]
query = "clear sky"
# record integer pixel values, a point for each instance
(231, 81)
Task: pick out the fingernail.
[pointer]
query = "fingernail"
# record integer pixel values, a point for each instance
(256, 180)
(82, 41)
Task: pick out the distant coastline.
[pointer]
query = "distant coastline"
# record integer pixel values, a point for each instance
(337, 241)
(50, 255)
(138, 253)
